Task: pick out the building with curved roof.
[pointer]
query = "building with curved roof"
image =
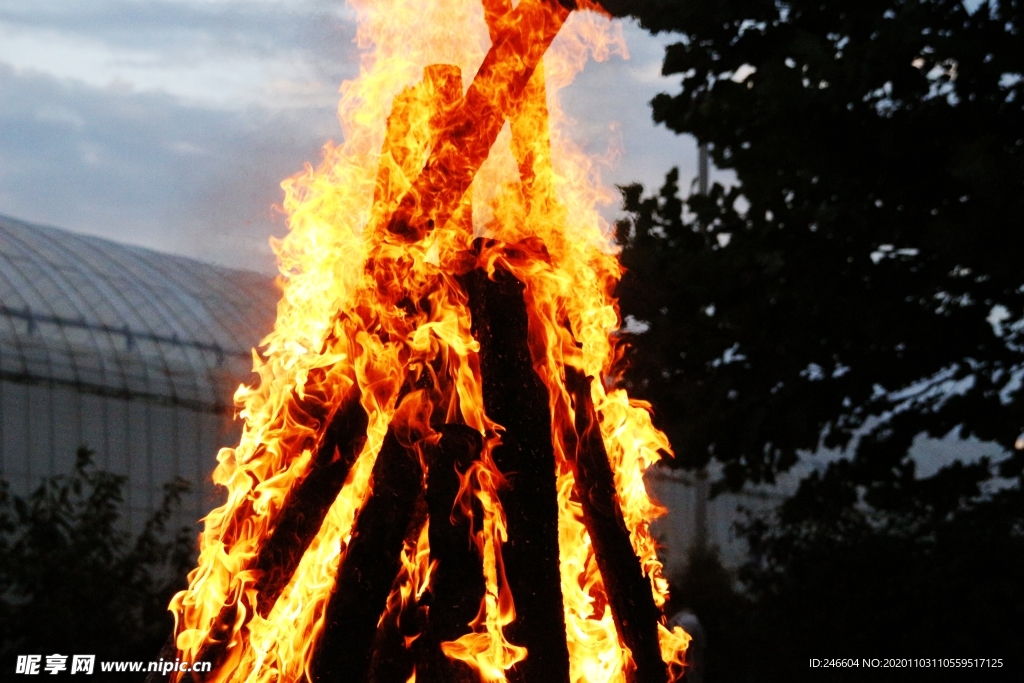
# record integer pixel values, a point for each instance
(130, 352)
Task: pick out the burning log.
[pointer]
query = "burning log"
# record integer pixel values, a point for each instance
(520, 43)
(437, 97)
(402, 623)
(295, 527)
(629, 593)
(369, 566)
(515, 398)
(457, 582)
(307, 503)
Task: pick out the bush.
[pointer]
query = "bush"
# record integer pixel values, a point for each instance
(73, 580)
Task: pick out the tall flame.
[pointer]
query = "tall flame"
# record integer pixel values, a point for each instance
(344, 325)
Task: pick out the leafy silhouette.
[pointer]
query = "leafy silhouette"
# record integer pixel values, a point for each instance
(74, 580)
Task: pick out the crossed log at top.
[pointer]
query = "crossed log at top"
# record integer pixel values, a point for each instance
(519, 40)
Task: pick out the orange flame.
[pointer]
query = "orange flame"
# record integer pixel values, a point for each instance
(345, 323)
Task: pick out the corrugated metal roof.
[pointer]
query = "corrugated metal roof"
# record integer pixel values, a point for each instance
(124, 321)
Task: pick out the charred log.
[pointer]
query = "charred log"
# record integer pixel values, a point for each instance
(307, 503)
(438, 95)
(629, 593)
(515, 398)
(297, 523)
(457, 582)
(401, 625)
(369, 566)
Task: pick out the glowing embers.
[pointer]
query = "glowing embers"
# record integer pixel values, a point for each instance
(430, 484)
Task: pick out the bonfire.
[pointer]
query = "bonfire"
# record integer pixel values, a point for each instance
(438, 478)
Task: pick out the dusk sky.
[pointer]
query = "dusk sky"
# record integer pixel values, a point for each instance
(170, 123)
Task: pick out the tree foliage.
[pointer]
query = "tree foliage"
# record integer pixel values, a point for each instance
(74, 580)
(863, 275)
(859, 285)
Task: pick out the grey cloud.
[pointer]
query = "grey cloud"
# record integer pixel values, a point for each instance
(184, 32)
(143, 168)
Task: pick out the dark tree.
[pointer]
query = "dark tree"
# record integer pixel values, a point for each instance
(863, 276)
(859, 285)
(74, 580)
